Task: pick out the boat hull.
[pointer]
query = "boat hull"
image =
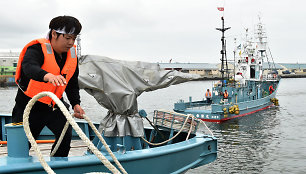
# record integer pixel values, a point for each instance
(210, 117)
(245, 108)
(174, 158)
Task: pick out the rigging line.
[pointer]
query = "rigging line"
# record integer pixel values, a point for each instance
(268, 62)
(227, 72)
(272, 58)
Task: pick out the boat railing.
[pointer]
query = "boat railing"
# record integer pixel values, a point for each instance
(271, 77)
(236, 85)
(181, 105)
(175, 121)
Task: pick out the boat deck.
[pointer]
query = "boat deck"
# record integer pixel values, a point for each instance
(78, 148)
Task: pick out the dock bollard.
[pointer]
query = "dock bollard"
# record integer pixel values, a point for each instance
(17, 141)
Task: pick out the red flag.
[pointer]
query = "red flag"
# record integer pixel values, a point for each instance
(220, 8)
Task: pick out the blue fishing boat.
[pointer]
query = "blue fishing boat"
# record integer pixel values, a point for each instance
(175, 157)
(243, 90)
(122, 144)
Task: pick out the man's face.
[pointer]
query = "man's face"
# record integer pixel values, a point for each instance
(62, 42)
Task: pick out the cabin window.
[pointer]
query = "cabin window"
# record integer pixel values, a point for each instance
(252, 72)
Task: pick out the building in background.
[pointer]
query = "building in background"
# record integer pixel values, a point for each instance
(294, 68)
(268, 66)
(211, 70)
(204, 69)
(8, 62)
(9, 59)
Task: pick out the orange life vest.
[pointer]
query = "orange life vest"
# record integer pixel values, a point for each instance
(50, 65)
(225, 95)
(208, 94)
(271, 89)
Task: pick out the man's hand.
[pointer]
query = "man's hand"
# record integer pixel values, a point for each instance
(78, 112)
(56, 80)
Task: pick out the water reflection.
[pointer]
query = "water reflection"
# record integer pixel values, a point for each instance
(244, 143)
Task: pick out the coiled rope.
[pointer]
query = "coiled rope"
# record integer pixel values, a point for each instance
(188, 116)
(78, 130)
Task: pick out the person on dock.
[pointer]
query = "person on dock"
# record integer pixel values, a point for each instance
(271, 89)
(208, 96)
(50, 64)
(225, 96)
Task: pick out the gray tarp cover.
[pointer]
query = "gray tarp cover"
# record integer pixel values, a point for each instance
(116, 84)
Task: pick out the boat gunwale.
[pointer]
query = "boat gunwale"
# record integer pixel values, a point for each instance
(33, 163)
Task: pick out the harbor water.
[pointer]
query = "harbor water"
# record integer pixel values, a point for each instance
(269, 141)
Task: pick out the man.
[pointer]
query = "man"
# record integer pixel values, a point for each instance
(225, 96)
(50, 65)
(208, 96)
(271, 89)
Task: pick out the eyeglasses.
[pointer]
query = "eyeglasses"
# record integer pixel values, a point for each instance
(69, 37)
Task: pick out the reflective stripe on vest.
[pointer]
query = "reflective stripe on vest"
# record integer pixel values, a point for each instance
(49, 48)
(50, 65)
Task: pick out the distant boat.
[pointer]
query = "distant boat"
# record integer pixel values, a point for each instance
(248, 89)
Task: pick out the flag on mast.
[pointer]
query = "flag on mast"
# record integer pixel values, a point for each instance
(220, 8)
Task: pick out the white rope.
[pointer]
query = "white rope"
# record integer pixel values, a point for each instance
(59, 141)
(156, 144)
(31, 138)
(98, 135)
(189, 115)
(190, 128)
(93, 127)
(78, 130)
(206, 126)
(195, 119)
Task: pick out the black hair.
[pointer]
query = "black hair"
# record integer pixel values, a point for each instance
(67, 22)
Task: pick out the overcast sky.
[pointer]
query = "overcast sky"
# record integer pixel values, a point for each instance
(160, 30)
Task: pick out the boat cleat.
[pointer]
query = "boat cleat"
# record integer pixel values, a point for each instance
(121, 148)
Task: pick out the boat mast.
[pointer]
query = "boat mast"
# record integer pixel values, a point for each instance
(223, 52)
(78, 46)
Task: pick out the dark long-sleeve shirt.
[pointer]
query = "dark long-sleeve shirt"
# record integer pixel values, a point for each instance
(31, 69)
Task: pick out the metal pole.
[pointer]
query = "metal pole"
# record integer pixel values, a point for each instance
(223, 51)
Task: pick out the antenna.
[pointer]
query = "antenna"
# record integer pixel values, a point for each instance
(223, 51)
